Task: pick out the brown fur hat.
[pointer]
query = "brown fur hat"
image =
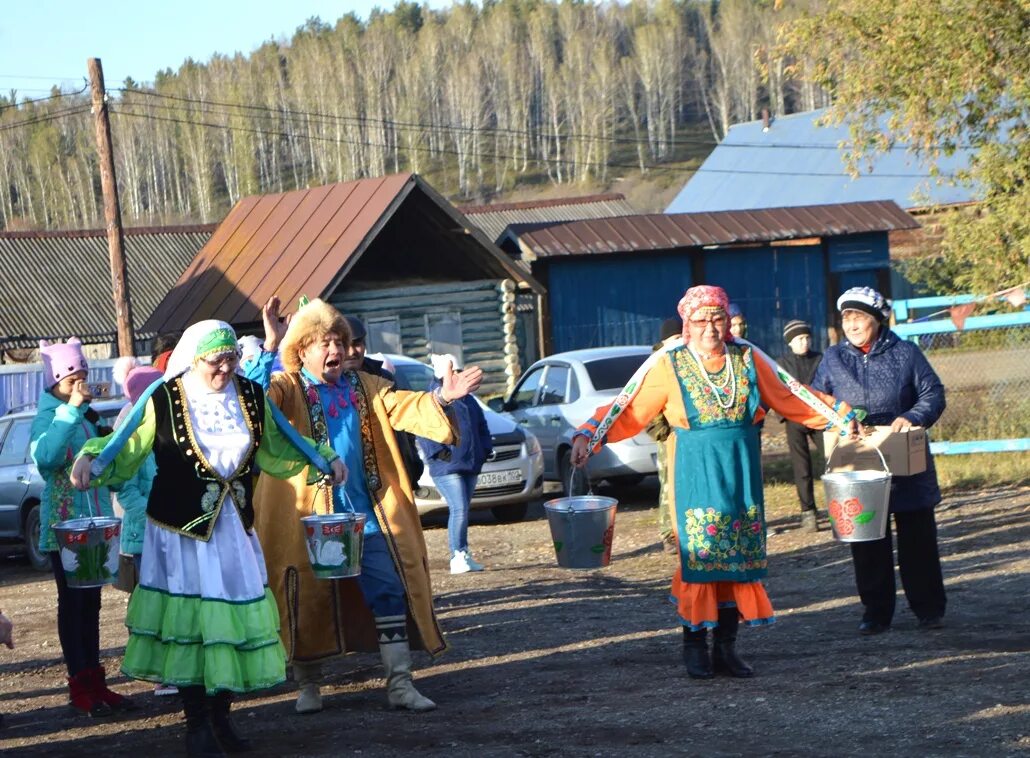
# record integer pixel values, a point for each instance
(311, 322)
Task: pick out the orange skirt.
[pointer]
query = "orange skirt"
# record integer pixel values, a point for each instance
(698, 604)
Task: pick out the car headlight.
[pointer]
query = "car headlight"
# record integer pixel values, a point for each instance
(532, 444)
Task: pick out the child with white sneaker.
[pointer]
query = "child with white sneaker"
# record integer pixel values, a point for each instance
(455, 468)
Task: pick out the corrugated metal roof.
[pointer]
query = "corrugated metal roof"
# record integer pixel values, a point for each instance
(494, 219)
(303, 242)
(58, 284)
(798, 163)
(670, 231)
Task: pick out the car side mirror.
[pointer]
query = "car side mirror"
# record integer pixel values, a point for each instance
(496, 404)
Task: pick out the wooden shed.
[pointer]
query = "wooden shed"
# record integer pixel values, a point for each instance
(389, 250)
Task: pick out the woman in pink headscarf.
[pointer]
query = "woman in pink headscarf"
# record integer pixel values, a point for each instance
(711, 390)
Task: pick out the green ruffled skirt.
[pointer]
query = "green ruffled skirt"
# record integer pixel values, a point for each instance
(217, 644)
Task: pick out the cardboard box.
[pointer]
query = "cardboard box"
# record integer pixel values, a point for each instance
(905, 452)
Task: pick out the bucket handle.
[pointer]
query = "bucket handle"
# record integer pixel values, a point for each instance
(572, 479)
(325, 488)
(836, 444)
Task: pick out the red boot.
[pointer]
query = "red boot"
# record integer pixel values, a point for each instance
(82, 697)
(106, 696)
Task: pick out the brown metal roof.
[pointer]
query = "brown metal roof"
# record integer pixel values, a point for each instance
(494, 219)
(669, 231)
(58, 284)
(300, 242)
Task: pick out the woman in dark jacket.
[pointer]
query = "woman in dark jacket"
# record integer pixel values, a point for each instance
(455, 468)
(893, 382)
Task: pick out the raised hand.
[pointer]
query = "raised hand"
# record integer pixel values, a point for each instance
(457, 385)
(275, 324)
(80, 394)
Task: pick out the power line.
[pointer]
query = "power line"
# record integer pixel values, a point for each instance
(43, 118)
(290, 118)
(85, 86)
(435, 151)
(552, 160)
(840, 175)
(44, 78)
(403, 125)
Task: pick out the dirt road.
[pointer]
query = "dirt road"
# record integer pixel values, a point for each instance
(548, 662)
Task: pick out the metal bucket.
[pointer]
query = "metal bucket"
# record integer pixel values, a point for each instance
(334, 543)
(581, 529)
(89, 550)
(857, 502)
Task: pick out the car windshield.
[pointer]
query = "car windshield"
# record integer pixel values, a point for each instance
(413, 376)
(613, 373)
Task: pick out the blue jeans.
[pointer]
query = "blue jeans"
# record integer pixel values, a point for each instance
(457, 490)
(378, 580)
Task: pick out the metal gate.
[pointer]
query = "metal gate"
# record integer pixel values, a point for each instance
(985, 368)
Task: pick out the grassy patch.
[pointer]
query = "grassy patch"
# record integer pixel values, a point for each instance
(970, 472)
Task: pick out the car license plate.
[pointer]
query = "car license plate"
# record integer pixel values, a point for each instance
(499, 478)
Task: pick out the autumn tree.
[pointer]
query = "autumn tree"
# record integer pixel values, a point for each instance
(937, 76)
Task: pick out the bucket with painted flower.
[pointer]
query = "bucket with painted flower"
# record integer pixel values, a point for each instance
(857, 502)
(89, 549)
(334, 542)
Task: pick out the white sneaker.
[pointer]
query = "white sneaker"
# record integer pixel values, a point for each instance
(462, 563)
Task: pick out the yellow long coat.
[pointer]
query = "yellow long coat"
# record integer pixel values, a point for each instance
(323, 618)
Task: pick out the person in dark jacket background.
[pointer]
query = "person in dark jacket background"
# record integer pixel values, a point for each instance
(801, 362)
(892, 381)
(455, 468)
(356, 359)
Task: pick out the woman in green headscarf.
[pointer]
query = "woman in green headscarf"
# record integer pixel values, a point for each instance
(202, 617)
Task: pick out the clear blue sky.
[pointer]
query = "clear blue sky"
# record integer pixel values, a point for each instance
(47, 42)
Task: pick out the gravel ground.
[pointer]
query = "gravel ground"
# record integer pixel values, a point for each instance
(552, 662)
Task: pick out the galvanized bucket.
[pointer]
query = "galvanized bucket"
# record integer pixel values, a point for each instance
(334, 543)
(89, 550)
(857, 502)
(582, 527)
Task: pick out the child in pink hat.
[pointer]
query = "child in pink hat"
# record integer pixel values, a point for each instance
(61, 361)
(62, 425)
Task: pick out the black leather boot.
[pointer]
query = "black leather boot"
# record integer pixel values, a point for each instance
(695, 654)
(200, 738)
(724, 652)
(221, 723)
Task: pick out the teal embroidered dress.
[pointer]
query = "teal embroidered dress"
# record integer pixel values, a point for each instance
(721, 514)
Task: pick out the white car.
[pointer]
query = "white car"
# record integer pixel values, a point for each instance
(511, 478)
(558, 393)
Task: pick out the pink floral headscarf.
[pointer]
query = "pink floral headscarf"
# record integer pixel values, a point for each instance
(702, 296)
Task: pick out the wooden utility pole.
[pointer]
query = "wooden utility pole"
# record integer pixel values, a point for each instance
(112, 210)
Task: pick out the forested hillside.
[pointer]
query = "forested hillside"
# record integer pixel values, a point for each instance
(480, 99)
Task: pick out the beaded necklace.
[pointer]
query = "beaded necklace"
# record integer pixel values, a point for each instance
(728, 387)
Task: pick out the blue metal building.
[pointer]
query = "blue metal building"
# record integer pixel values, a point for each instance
(794, 162)
(613, 281)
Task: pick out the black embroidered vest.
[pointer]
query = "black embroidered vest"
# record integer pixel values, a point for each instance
(188, 494)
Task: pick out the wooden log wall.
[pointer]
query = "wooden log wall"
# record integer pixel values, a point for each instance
(487, 309)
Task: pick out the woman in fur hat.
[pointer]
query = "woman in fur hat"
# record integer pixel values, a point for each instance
(389, 607)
